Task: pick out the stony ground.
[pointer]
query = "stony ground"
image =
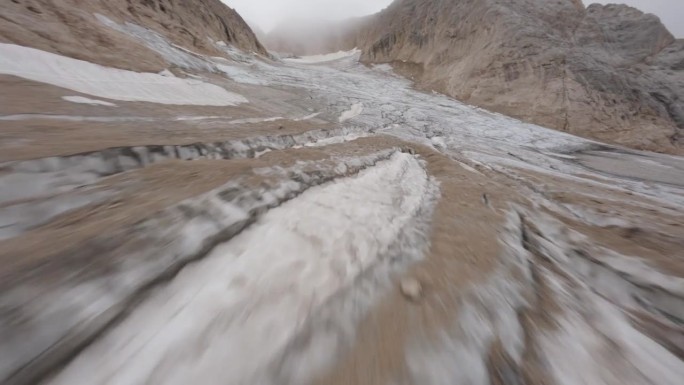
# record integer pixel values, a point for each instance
(339, 227)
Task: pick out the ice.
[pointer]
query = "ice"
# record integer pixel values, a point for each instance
(110, 83)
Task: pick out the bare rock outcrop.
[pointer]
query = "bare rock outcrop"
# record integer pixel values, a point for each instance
(607, 72)
(72, 28)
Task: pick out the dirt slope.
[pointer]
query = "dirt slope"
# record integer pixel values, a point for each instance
(607, 72)
(71, 28)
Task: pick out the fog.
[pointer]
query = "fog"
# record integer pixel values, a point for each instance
(266, 14)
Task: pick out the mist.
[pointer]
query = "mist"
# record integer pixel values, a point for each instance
(268, 14)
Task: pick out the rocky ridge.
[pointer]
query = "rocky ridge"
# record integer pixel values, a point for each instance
(73, 28)
(608, 72)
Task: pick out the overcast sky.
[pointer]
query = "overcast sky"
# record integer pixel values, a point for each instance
(266, 14)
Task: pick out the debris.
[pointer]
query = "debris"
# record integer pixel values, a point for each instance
(411, 289)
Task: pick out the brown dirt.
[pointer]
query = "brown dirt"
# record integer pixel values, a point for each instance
(141, 193)
(38, 138)
(461, 253)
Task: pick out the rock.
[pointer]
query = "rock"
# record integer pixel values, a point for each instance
(412, 289)
(69, 28)
(607, 72)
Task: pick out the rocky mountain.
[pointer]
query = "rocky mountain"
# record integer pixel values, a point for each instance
(608, 72)
(76, 28)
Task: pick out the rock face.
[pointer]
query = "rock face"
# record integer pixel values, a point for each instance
(72, 28)
(606, 72)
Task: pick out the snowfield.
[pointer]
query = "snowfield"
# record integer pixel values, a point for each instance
(110, 83)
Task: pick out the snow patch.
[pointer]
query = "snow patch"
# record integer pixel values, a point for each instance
(110, 83)
(336, 140)
(83, 100)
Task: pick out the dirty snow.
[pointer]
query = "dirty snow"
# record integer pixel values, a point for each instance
(307, 117)
(170, 52)
(240, 75)
(83, 100)
(354, 111)
(233, 315)
(337, 139)
(110, 83)
(256, 120)
(324, 58)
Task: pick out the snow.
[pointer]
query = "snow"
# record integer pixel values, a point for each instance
(110, 83)
(234, 314)
(83, 100)
(336, 139)
(324, 58)
(307, 117)
(256, 120)
(354, 111)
